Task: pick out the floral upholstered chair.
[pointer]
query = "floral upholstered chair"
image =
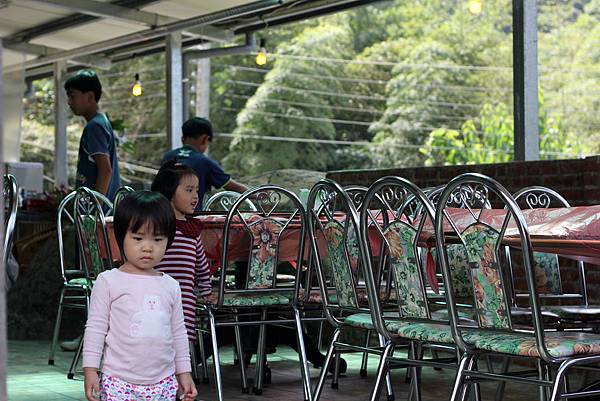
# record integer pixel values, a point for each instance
(547, 268)
(337, 262)
(90, 226)
(257, 292)
(495, 333)
(406, 317)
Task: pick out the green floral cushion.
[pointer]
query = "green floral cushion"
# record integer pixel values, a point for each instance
(412, 300)
(343, 271)
(237, 300)
(80, 281)
(491, 303)
(428, 332)
(443, 314)
(547, 273)
(91, 249)
(559, 344)
(262, 264)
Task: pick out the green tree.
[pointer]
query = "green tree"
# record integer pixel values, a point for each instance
(490, 139)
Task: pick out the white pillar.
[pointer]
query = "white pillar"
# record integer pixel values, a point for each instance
(174, 72)
(60, 126)
(203, 87)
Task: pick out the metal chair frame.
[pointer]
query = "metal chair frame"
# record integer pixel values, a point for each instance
(10, 191)
(468, 373)
(404, 204)
(73, 295)
(266, 198)
(226, 199)
(333, 198)
(87, 205)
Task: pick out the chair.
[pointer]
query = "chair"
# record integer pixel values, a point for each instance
(259, 293)
(547, 268)
(333, 231)
(75, 292)
(91, 232)
(224, 200)
(494, 332)
(403, 316)
(9, 193)
(119, 195)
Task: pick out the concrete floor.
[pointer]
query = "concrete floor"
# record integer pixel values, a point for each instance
(30, 378)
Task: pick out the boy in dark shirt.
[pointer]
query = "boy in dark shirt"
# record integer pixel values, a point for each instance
(197, 133)
(97, 163)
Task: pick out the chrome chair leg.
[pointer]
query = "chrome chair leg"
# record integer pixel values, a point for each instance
(365, 356)
(336, 371)
(240, 355)
(203, 359)
(193, 360)
(381, 370)
(302, 357)
(458, 389)
(75, 361)
(261, 357)
(56, 327)
(216, 360)
(502, 385)
(415, 373)
(325, 368)
(388, 377)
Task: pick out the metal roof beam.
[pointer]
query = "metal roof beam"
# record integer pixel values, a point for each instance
(39, 50)
(110, 10)
(211, 34)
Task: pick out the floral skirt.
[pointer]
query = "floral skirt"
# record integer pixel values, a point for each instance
(115, 389)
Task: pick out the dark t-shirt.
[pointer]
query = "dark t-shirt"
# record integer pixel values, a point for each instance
(210, 174)
(97, 139)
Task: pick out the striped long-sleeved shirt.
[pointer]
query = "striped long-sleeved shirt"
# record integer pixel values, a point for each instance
(186, 262)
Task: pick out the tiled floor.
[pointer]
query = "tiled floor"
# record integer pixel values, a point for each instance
(30, 378)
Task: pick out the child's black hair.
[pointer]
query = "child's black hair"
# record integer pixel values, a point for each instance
(168, 177)
(196, 127)
(144, 207)
(85, 81)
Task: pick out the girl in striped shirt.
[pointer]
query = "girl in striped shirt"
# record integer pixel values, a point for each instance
(185, 259)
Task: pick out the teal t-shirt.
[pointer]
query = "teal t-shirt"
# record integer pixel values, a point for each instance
(97, 138)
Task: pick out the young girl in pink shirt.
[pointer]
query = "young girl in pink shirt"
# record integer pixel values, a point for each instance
(135, 322)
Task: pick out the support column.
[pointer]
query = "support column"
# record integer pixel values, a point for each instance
(525, 80)
(174, 72)
(203, 87)
(3, 348)
(60, 126)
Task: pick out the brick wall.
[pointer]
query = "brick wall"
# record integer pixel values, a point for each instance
(578, 180)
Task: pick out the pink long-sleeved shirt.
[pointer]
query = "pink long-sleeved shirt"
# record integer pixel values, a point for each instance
(136, 323)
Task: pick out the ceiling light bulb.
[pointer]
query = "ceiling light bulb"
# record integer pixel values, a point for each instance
(261, 56)
(136, 90)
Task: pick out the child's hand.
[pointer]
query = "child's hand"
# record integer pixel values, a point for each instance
(91, 384)
(187, 389)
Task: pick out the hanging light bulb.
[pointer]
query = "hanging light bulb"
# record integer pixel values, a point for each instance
(136, 89)
(475, 6)
(261, 56)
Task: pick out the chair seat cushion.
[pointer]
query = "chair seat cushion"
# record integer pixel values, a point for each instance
(463, 315)
(523, 317)
(559, 344)
(427, 332)
(239, 300)
(577, 313)
(79, 282)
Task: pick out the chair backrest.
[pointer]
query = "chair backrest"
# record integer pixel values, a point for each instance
(91, 233)
(457, 254)
(357, 194)
(481, 232)
(66, 221)
(408, 212)
(119, 195)
(224, 201)
(546, 265)
(264, 228)
(10, 194)
(335, 247)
